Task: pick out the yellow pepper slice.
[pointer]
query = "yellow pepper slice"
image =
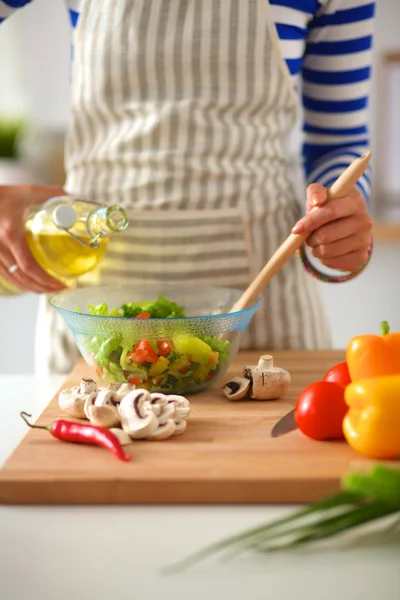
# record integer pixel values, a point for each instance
(372, 424)
(159, 367)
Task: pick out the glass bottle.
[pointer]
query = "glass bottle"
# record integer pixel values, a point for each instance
(68, 237)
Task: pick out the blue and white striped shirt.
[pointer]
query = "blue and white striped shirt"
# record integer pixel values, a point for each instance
(327, 45)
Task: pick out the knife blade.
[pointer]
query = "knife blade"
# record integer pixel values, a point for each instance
(285, 425)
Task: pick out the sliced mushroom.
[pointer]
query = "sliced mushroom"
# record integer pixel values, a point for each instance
(182, 406)
(137, 417)
(237, 388)
(103, 416)
(106, 397)
(89, 402)
(158, 401)
(180, 427)
(121, 435)
(72, 402)
(121, 390)
(167, 413)
(164, 431)
(267, 382)
(114, 387)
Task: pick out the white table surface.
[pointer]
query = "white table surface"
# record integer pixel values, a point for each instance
(114, 553)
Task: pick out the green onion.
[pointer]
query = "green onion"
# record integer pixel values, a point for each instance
(366, 497)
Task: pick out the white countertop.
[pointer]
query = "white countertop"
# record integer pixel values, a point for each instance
(113, 553)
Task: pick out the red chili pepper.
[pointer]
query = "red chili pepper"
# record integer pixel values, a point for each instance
(68, 431)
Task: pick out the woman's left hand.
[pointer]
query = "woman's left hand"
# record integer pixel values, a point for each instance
(339, 231)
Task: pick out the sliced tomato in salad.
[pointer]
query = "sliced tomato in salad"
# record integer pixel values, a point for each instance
(143, 316)
(165, 348)
(133, 380)
(143, 353)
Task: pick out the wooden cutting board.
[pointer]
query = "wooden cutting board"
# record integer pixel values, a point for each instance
(226, 454)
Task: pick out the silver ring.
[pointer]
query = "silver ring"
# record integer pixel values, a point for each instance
(13, 268)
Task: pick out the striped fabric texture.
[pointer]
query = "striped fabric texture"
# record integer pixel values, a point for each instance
(182, 116)
(327, 46)
(181, 112)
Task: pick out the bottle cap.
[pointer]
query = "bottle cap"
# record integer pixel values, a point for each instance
(64, 216)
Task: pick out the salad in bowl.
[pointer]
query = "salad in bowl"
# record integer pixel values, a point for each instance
(158, 344)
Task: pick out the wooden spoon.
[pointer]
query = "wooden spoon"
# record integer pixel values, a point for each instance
(342, 186)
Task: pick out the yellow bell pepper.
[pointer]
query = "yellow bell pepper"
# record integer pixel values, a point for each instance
(372, 423)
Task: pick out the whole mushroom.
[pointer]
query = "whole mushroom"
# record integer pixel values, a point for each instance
(73, 400)
(259, 382)
(267, 382)
(87, 386)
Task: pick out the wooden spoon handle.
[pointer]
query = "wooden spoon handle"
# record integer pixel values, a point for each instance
(341, 187)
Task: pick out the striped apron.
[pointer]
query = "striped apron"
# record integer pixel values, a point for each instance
(181, 112)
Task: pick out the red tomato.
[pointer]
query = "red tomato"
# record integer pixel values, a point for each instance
(143, 353)
(164, 347)
(143, 316)
(320, 410)
(133, 380)
(339, 374)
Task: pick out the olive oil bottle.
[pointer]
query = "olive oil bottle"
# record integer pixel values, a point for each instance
(68, 237)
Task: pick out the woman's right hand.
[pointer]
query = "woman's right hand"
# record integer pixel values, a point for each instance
(15, 203)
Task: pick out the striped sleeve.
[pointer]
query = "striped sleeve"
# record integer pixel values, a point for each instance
(336, 85)
(74, 8)
(7, 7)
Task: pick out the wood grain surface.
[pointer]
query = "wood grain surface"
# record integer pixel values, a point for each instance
(226, 454)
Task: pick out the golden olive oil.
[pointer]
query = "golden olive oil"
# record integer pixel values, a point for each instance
(63, 257)
(68, 237)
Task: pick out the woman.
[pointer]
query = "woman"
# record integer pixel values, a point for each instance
(181, 111)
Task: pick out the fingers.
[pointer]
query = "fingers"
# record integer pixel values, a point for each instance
(15, 203)
(349, 262)
(19, 278)
(338, 231)
(331, 211)
(317, 195)
(29, 267)
(341, 229)
(342, 247)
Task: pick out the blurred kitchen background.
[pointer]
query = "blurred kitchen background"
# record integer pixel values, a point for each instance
(35, 46)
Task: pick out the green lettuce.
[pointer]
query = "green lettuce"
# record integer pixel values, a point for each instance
(218, 345)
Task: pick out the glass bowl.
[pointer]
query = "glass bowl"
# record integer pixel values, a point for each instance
(170, 355)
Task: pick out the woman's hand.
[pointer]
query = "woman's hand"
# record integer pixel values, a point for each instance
(339, 230)
(15, 202)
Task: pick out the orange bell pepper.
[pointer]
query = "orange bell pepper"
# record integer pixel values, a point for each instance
(372, 423)
(373, 355)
